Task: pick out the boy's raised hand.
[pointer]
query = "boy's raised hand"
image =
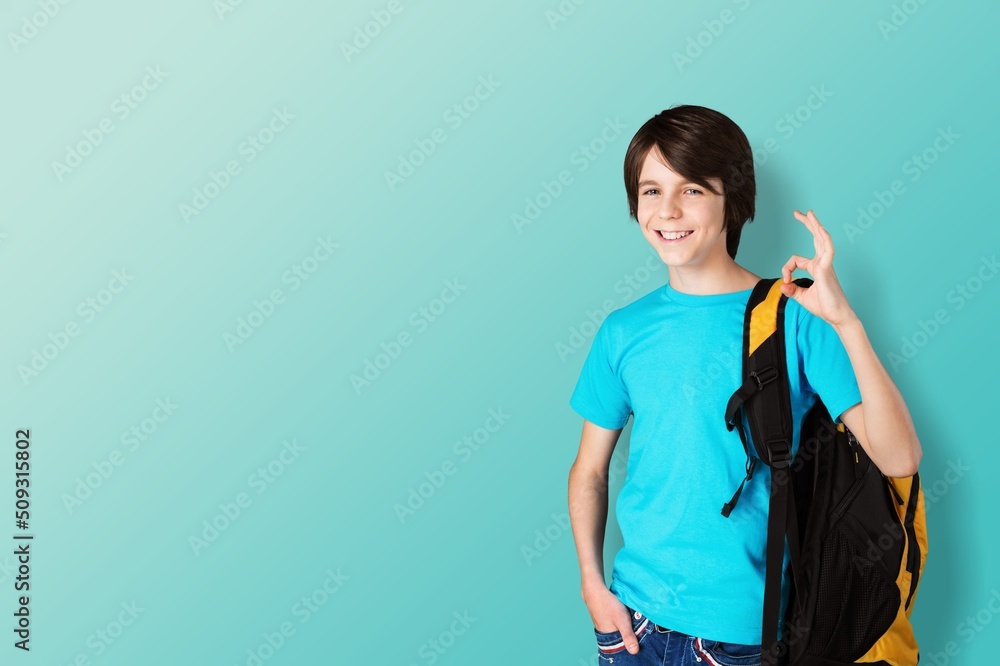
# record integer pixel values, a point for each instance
(824, 298)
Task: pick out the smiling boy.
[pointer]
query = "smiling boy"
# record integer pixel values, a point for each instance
(688, 583)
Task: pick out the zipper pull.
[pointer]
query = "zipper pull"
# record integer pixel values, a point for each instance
(895, 493)
(853, 443)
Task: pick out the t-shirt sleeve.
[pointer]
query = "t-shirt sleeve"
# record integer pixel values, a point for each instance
(826, 365)
(600, 395)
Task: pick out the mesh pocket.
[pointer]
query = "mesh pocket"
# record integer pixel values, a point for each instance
(857, 601)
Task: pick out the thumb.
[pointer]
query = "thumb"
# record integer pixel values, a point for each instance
(792, 290)
(628, 636)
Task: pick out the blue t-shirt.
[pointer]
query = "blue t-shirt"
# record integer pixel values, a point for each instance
(673, 360)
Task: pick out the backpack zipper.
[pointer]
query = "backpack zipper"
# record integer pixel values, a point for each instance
(913, 548)
(895, 493)
(859, 475)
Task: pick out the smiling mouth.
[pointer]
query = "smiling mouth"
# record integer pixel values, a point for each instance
(673, 236)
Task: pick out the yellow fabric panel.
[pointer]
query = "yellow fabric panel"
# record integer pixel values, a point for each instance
(902, 486)
(898, 646)
(920, 529)
(764, 317)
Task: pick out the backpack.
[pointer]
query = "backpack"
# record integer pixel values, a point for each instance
(857, 539)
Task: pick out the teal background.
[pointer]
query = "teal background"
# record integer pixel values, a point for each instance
(334, 507)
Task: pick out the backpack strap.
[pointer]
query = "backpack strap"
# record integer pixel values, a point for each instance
(764, 399)
(763, 372)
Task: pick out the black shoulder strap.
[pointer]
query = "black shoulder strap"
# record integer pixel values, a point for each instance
(763, 372)
(764, 399)
(733, 413)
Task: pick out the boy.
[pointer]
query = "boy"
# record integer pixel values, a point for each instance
(688, 584)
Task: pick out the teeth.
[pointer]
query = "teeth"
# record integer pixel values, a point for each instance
(674, 235)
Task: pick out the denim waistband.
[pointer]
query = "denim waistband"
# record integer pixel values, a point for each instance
(637, 614)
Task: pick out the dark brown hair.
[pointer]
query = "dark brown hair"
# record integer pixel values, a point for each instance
(699, 143)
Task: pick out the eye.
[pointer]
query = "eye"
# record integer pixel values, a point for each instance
(652, 189)
(691, 189)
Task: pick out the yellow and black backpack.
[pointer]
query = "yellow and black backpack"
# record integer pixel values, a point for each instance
(857, 539)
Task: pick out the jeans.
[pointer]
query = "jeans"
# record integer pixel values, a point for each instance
(659, 646)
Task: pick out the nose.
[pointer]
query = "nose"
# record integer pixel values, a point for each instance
(668, 208)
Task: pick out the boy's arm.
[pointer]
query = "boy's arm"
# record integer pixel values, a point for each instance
(888, 435)
(588, 511)
(588, 500)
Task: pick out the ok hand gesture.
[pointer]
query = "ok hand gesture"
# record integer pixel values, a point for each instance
(824, 298)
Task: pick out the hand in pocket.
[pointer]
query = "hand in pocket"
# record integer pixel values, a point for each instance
(612, 622)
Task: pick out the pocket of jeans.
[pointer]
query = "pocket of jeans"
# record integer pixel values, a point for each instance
(611, 642)
(729, 654)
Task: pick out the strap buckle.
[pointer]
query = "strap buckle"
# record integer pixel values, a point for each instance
(780, 451)
(764, 376)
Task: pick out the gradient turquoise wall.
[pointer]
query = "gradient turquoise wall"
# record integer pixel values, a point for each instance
(232, 220)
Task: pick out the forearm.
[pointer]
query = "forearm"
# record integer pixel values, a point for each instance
(888, 427)
(588, 512)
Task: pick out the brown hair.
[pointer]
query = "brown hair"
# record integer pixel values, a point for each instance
(699, 143)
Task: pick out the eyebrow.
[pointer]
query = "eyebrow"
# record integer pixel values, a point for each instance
(656, 184)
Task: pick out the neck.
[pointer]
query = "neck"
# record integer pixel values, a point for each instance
(719, 275)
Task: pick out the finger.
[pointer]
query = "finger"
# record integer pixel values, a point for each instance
(828, 250)
(823, 233)
(819, 240)
(808, 219)
(811, 222)
(795, 261)
(805, 218)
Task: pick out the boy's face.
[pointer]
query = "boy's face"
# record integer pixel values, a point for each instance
(670, 203)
